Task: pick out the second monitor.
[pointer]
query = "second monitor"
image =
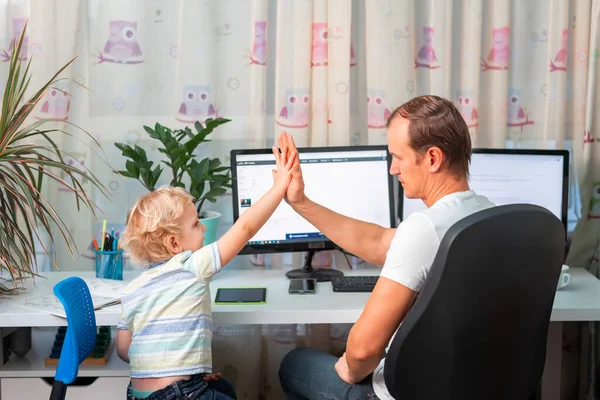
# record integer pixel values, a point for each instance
(353, 181)
(510, 176)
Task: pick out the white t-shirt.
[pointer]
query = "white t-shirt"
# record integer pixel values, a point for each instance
(415, 246)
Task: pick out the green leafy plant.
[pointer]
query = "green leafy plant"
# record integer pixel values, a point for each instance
(28, 156)
(206, 179)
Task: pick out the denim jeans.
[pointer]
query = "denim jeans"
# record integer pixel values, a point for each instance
(195, 388)
(310, 374)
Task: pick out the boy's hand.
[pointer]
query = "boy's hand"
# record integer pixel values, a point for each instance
(295, 191)
(212, 377)
(284, 160)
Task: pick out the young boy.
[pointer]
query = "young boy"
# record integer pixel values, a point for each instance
(165, 330)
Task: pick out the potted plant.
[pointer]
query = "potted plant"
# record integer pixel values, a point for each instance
(29, 156)
(206, 179)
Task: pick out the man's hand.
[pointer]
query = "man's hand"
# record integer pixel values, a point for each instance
(341, 367)
(295, 191)
(284, 161)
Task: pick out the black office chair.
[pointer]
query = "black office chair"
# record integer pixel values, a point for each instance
(479, 326)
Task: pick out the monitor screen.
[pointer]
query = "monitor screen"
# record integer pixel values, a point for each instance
(353, 181)
(506, 176)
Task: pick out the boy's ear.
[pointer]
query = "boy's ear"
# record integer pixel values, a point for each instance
(172, 243)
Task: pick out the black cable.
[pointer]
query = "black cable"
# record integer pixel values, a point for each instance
(346, 254)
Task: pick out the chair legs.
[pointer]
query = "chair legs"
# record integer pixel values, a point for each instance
(59, 390)
(537, 395)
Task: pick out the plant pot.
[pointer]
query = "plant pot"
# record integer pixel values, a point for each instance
(19, 341)
(210, 219)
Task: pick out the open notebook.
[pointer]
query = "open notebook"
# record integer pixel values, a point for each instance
(104, 292)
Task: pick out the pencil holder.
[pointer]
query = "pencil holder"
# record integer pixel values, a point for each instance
(109, 264)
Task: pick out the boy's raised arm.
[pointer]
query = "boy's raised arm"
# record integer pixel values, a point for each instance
(257, 215)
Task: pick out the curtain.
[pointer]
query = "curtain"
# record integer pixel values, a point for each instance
(523, 74)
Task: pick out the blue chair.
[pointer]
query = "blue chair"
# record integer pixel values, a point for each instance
(80, 337)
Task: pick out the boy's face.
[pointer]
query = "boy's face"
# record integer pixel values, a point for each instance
(192, 230)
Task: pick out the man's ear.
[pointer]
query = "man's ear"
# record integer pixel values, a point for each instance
(172, 243)
(435, 157)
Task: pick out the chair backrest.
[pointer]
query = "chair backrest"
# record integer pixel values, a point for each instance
(478, 328)
(80, 337)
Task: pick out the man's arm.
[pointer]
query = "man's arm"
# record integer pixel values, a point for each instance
(386, 308)
(411, 254)
(363, 239)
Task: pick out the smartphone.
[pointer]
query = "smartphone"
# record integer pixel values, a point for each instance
(302, 286)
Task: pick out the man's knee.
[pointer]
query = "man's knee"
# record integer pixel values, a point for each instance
(293, 369)
(291, 360)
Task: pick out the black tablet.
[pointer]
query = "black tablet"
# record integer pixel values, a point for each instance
(241, 296)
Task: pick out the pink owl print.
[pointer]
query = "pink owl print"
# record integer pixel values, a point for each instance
(517, 116)
(18, 28)
(320, 36)
(426, 57)
(196, 104)
(55, 105)
(122, 46)
(466, 106)
(594, 209)
(499, 54)
(75, 161)
(561, 56)
(296, 112)
(377, 111)
(353, 61)
(259, 47)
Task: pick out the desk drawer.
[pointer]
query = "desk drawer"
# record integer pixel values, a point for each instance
(37, 388)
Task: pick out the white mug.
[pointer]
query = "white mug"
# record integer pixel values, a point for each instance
(565, 277)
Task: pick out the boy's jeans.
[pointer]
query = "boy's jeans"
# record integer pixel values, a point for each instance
(195, 388)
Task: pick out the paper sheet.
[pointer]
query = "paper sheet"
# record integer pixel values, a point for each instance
(104, 292)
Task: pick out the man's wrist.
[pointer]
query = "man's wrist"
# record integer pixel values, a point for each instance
(301, 205)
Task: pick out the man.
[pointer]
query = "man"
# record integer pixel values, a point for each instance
(431, 149)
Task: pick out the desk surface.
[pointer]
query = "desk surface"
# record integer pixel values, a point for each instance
(580, 301)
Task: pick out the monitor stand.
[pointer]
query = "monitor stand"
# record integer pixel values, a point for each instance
(307, 271)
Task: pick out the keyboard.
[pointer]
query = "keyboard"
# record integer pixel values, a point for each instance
(364, 283)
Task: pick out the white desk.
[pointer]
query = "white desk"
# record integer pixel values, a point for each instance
(281, 308)
(580, 301)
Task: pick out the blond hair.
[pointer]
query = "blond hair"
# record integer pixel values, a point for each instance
(152, 219)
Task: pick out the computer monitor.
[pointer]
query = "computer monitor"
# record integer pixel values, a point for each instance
(507, 176)
(353, 181)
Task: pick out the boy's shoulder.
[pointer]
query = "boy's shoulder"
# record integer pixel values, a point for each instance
(152, 272)
(186, 260)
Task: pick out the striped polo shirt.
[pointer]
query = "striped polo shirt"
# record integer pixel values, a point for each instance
(167, 309)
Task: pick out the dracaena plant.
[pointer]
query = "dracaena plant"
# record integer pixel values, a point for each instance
(206, 179)
(29, 156)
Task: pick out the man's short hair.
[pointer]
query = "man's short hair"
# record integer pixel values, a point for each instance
(436, 122)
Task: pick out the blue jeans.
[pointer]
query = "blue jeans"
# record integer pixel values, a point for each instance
(310, 374)
(195, 388)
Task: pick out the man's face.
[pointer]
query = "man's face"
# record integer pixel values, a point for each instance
(410, 167)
